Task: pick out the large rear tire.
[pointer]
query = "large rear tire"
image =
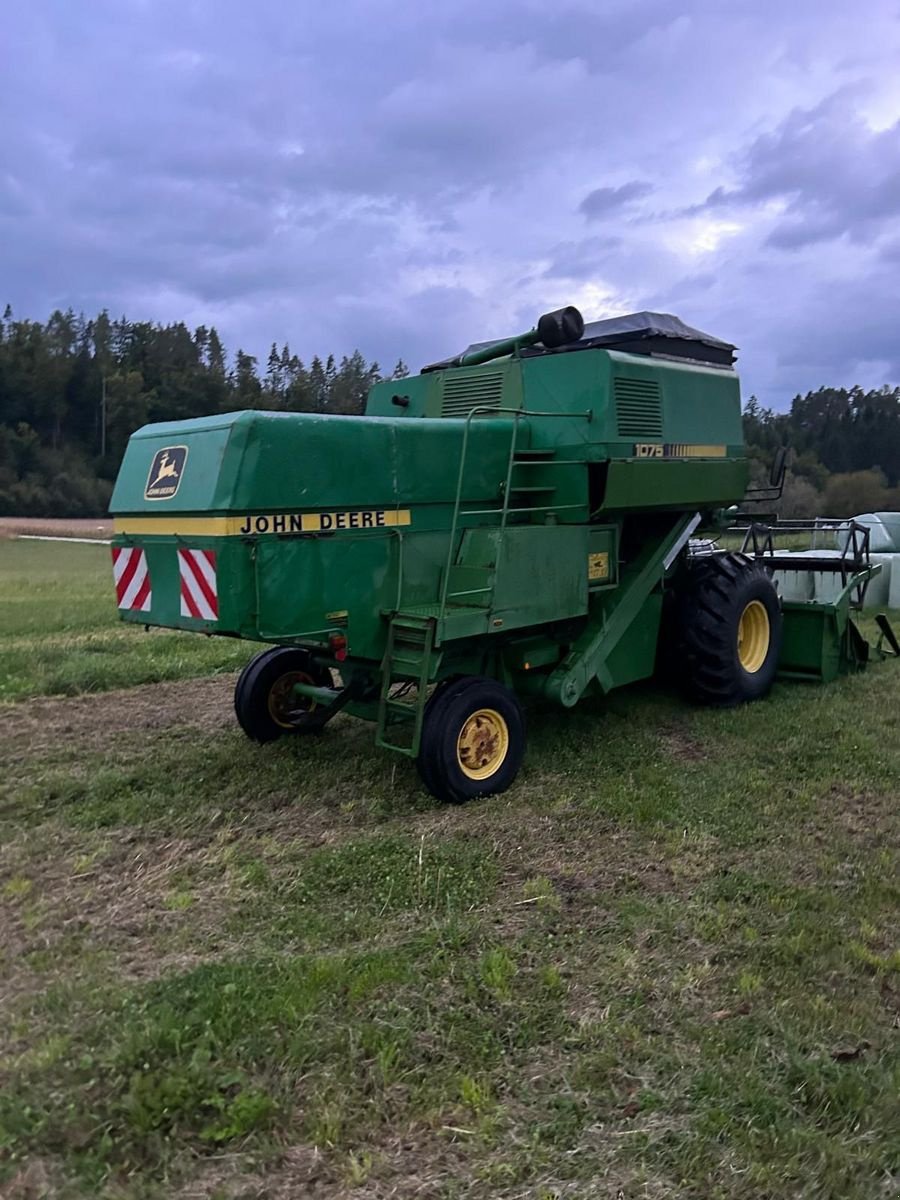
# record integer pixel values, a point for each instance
(264, 702)
(727, 630)
(473, 740)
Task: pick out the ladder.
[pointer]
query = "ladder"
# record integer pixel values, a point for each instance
(409, 657)
(416, 633)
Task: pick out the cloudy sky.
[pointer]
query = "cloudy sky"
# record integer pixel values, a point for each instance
(409, 176)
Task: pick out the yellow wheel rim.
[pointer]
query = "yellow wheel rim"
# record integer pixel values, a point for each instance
(753, 636)
(483, 744)
(282, 702)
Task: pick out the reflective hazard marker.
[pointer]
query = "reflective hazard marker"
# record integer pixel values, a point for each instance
(132, 578)
(199, 595)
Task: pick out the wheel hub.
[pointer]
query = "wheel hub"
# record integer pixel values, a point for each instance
(753, 636)
(483, 743)
(285, 707)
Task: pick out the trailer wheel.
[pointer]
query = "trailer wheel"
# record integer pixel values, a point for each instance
(264, 702)
(728, 628)
(473, 740)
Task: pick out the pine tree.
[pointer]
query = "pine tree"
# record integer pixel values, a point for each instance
(317, 385)
(215, 355)
(201, 339)
(245, 381)
(273, 384)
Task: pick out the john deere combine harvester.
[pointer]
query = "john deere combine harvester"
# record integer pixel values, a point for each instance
(514, 521)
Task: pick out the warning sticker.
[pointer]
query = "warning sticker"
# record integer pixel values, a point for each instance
(132, 578)
(598, 567)
(199, 589)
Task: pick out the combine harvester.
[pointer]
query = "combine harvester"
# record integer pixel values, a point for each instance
(517, 521)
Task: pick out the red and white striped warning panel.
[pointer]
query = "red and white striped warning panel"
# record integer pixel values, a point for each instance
(199, 593)
(132, 578)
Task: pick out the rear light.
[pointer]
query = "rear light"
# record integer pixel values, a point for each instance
(338, 644)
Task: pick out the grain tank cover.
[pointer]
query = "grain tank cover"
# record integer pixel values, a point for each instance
(654, 333)
(647, 333)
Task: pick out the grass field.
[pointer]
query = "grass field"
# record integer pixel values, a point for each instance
(59, 633)
(665, 964)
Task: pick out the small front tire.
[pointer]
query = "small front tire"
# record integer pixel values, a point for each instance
(264, 701)
(473, 740)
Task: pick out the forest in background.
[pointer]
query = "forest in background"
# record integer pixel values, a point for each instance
(73, 389)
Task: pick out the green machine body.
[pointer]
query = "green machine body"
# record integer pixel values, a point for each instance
(511, 521)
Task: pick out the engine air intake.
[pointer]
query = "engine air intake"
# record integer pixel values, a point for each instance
(463, 392)
(638, 408)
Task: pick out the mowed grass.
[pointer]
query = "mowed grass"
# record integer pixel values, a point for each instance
(59, 632)
(665, 964)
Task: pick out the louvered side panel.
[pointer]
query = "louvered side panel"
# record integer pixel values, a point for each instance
(462, 393)
(638, 408)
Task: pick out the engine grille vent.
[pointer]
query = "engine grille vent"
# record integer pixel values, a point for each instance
(463, 392)
(638, 408)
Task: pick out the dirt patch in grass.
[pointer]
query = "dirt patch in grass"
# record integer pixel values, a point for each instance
(36, 1181)
(682, 745)
(846, 831)
(867, 818)
(578, 868)
(134, 894)
(397, 1167)
(90, 721)
(135, 905)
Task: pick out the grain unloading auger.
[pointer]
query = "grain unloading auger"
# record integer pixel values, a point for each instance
(514, 521)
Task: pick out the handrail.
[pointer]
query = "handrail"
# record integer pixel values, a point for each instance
(504, 511)
(530, 508)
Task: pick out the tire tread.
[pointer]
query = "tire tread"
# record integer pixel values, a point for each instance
(708, 605)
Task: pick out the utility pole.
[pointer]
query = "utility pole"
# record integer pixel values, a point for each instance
(103, 416)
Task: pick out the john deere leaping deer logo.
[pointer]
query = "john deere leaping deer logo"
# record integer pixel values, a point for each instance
(165, 473)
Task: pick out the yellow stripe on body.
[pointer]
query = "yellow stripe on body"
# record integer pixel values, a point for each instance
(692, 450)
(253, 524)
(188, 526)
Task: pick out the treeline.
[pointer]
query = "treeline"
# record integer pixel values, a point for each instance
(73, 390)
(844, 451)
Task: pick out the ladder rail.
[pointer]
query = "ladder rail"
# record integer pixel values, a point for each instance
(504, 515)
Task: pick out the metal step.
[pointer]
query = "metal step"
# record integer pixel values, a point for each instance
(459, 620)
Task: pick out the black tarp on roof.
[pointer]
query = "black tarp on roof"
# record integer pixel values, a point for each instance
(636, 333)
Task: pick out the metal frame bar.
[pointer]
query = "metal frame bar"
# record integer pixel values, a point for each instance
(854, 564)
(586, 659)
